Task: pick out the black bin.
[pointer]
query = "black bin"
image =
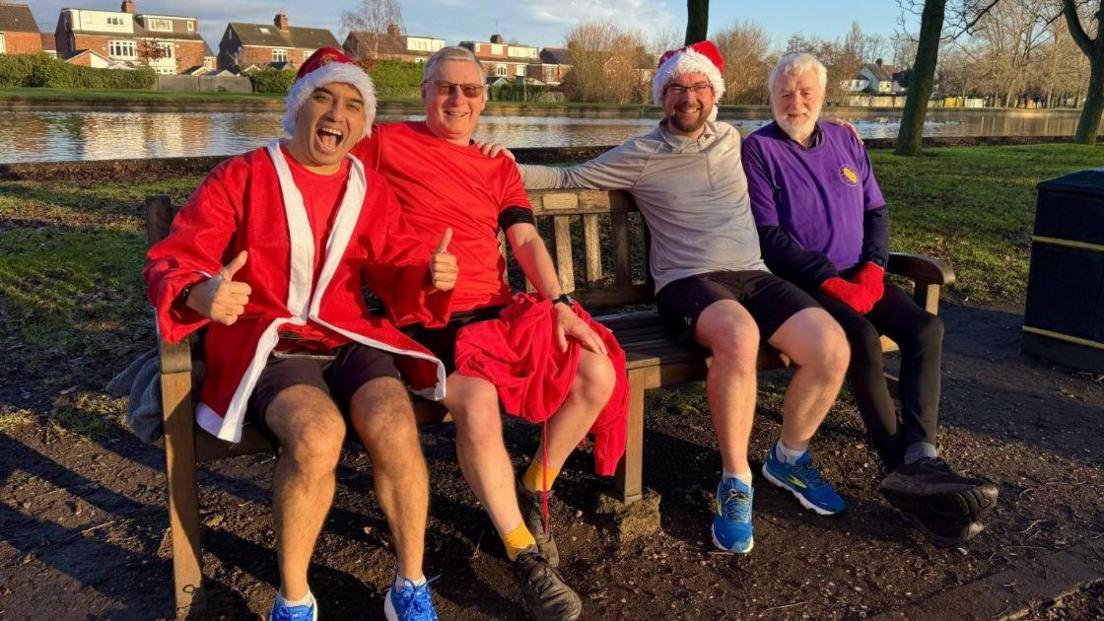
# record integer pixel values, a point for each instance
(1064, 316)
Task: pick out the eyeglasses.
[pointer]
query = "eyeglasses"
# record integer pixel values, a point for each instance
(444, 88)
(678, 90)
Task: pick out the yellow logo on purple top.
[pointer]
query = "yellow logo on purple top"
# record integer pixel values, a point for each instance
(849, 175)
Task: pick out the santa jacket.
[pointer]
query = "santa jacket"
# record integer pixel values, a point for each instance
(250, 202)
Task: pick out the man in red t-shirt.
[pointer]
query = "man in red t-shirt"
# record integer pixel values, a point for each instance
(443, 181)
(271, 254)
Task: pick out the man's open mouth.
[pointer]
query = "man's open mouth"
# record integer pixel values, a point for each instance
(329, 138)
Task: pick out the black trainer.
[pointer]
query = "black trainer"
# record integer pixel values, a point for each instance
(530, 505)
(547, 596)
(929, 487)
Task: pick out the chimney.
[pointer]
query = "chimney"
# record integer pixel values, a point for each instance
(281, 21)
(878, 62)
(496, 38)
(127, 7)
(394, 31)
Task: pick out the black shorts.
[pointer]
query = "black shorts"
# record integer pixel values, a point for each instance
(441, 342)
(769, 299)
(353, 366)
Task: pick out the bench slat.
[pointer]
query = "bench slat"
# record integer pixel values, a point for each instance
(565, 266)
(622, 270)
(592, 247)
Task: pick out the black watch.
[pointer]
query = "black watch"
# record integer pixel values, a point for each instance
(564, 299)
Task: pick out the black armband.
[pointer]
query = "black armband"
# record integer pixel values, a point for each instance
(515, 215)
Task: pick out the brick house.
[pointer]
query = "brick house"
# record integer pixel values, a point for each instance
(243, 45)
(391, 45)
(48, 46)
(128, 39)
(18, 31)
(555, 63)
(505, 60)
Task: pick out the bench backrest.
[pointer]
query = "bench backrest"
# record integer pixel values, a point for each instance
(597, 240)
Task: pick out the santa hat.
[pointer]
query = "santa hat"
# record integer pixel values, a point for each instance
(326, 66)
(701, 57)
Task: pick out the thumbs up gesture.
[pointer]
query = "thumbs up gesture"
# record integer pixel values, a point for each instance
(442, 265)
(220, 298)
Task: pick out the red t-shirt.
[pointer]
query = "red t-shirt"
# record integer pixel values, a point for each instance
(322, 196)
(441, 185)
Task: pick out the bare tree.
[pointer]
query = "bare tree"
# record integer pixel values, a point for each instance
(373, 18)
(609, 64)
(745, 47)
(1012, 35)
(1094, 50)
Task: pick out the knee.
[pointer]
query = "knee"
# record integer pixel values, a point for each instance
(315, 447)
(596, 378)
(384, 419)
(865, 341)
(736, 346)
(475, 412)
(835, 350)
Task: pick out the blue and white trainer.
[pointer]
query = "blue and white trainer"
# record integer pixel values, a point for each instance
(732, 516)
(282, 612)
(804, 481)
(410, 602)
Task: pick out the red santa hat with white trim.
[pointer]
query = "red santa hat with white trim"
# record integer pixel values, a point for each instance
(701, 57)
(326, 66)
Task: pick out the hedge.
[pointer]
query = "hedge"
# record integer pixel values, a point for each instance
(22, 70)
(397, 79)
(272, 80)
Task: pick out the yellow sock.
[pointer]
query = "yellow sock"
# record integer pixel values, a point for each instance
(536, 475)
(517, 540)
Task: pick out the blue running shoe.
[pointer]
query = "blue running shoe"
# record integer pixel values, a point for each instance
(283, 612)
(410, 603)
(803, 480)
(732, 518)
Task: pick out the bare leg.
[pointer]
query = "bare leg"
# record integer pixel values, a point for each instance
(384, 420)
(310, 430)
(729, 332)
(817, 346)
(592, 389)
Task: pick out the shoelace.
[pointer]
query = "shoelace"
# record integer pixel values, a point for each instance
(736, 505)
(417, 598)
(538, 574)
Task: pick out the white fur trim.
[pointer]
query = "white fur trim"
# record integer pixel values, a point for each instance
(333, 72)
(688, 61)
(299, 235)
(229, 427)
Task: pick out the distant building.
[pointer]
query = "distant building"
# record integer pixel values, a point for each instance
(391, 45)
(18, 31)
(505, 60)
(48, 46)
(554, 63)
(881, 79)
(168, 44)
(245, 45)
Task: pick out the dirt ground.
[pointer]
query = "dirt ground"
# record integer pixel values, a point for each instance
(83, 520)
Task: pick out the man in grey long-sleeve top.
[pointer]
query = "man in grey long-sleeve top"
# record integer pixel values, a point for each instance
(713, 289)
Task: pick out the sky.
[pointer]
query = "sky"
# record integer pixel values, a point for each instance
(542, 23)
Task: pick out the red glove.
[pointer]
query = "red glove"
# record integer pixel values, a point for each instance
(849, 293)
(871, 277)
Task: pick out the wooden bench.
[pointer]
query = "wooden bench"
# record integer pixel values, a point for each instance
(600, 248)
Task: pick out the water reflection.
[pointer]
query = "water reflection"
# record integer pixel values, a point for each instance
(60, 136)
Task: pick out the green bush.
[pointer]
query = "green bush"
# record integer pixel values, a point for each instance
(41, 70)
(397, 79)
(272, 81)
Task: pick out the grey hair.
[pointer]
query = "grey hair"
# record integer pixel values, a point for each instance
(796, 64)
(450, 53)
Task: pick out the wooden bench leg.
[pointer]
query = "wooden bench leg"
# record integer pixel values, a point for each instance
(183, 491)
(629, 477)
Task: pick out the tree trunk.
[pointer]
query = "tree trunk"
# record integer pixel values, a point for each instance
(923, 71)
(1087, 126)
(697, 21)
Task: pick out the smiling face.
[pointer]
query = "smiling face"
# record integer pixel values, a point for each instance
(454, 116)
(328, 124)
(796, 101)
(687, 101)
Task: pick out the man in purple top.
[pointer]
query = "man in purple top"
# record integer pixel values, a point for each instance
(823, 225)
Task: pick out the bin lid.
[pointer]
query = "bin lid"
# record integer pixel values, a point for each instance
(1090, 182)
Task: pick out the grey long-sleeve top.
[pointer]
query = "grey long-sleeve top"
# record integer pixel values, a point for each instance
(693, 195)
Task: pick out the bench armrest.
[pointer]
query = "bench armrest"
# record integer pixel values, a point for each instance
(920, 269)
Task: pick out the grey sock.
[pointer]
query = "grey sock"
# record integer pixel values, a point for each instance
(919, 450)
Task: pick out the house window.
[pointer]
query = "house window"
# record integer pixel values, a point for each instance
(496, 49)
(159, 25)
(191, 26)
(166, 50)
(307, 53)
(519, 70)
(500, 70)
(549, 74)
(3, 44)
(114, 21)
(122, 49)
(279, 56)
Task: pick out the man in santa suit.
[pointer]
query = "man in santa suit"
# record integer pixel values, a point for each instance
(539, 356)
(271, 254)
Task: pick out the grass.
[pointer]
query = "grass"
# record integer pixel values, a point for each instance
(974, 208)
